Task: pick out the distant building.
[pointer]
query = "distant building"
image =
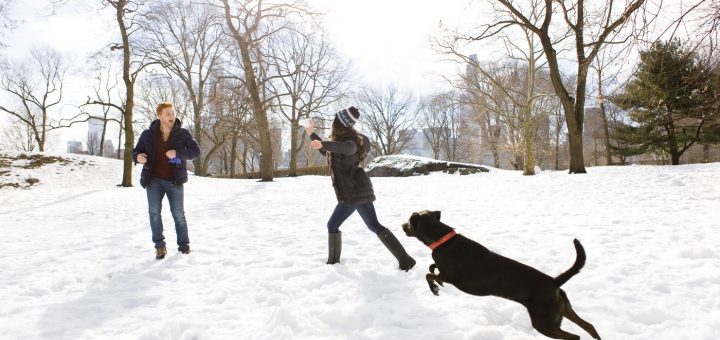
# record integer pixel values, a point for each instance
(109, 148)
(95, 125)
(74, 146)
(419, 145)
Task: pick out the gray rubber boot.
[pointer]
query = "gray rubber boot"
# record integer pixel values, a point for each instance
(405, 262)
(334, 247)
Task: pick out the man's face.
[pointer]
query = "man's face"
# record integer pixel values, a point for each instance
(167, 117)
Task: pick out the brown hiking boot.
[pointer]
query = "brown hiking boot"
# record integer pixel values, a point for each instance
(160, 253)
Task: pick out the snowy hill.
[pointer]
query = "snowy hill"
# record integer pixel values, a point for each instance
(77, 260)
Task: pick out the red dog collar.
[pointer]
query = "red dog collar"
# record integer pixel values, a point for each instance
(442, 240)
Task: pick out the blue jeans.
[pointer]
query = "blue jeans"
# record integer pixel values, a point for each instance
(156, 190)
(343, 211)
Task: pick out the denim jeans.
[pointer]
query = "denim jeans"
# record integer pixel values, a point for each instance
(156, 190)
(343, 211)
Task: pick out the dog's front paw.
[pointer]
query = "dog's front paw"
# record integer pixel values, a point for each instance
(435, 289)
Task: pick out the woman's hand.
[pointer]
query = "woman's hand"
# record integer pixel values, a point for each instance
(309, 127)
(316, 144)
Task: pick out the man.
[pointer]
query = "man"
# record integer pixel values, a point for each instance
(164, 150)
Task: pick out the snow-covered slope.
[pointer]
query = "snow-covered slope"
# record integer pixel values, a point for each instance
(77, 260)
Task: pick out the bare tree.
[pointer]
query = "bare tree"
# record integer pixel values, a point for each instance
(434, 122)
(519, 81)
(238, 120)
(444, 128)
(699, 19)
(37, 89)
(308, 77)
(132, 66)
(590, 30)
(105, 88)
(388, 114)
(557, 131)
(599, 67)
(18, 136)
(93, 143)
(187, 40)
(250, 23)
(157, 88)
(510, 102)
(484, 110)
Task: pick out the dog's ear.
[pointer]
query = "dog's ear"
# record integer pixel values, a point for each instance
(436, 214)
(412, 219)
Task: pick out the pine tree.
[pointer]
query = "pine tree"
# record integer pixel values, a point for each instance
(670, 103)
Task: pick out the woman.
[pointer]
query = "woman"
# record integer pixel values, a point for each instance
(164, 150)
(354, 191)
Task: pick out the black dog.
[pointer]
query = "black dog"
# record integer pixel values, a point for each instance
(476, 270)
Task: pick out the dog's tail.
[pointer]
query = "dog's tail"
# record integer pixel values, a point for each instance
(579, 263)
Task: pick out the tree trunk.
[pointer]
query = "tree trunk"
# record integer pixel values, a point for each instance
(529, 164)
(244, 158)
(102, 137)
(672, 144)
(266, 159)
(233, 154)
(575, 119)
(603, 115)
(675, 158)
(577, 162)
(120, 133)
(557, 154)
(130, 95)
(200, 170)
(43, 132)
(292, 171)
(495, 147)
(572, 107)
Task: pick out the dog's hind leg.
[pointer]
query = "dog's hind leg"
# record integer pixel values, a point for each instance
(570, 314)
(557, 333)
(431, 279)
(548, 324)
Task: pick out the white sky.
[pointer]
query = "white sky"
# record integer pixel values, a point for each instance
(387, 42)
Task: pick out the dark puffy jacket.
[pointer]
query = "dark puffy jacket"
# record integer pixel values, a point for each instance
(185, 146)
(352, 185)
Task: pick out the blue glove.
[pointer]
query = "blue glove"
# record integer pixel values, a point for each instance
(175, 161)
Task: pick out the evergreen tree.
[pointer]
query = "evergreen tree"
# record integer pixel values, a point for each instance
(671, 103)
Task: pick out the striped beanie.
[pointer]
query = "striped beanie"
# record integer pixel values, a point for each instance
(348, 117)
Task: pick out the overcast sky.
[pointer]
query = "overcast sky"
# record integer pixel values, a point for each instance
(387, 41)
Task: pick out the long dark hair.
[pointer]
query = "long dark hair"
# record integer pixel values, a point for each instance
(341, 132)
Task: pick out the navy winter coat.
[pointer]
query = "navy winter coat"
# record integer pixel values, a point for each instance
(351, 182)
(185, 146)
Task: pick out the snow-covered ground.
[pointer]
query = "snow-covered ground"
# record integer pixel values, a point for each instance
(76, 260)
